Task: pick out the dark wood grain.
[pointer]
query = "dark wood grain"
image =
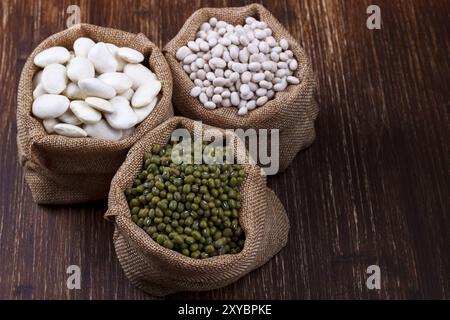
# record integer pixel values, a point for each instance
(373, 189)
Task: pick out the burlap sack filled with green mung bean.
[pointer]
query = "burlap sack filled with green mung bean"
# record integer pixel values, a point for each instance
(161, 271)
(292, 111)
(61, 170)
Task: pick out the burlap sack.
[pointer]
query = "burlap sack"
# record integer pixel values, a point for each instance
(160, 271)
(293, 111)
(62, 170)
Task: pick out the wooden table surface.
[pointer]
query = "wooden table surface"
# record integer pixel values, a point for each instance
(372, 189)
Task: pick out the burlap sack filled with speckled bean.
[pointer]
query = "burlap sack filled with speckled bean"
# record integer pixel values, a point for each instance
(160, 271)
(61, 170)
(292, 111)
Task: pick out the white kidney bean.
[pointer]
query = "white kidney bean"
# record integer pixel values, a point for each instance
(99, 72)
(54, 78)
(130, 55)
(51, 55)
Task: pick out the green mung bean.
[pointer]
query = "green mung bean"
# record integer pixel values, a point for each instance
(192, 209)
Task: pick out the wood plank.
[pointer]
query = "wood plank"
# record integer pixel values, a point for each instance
(373, 189)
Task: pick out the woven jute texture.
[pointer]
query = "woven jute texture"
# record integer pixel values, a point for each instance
(292, 111)
(61, 170)
(160, 271)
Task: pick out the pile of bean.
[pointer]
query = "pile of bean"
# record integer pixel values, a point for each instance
(98, 90)
(192, 209)
(241, 66)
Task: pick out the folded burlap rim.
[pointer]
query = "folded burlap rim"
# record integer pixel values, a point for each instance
(30, 129)
(260, 116)
(252, 219)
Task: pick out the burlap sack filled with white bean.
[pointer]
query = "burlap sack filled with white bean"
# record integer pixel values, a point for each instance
(292, 110)
(62, 169)
(161, 271)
